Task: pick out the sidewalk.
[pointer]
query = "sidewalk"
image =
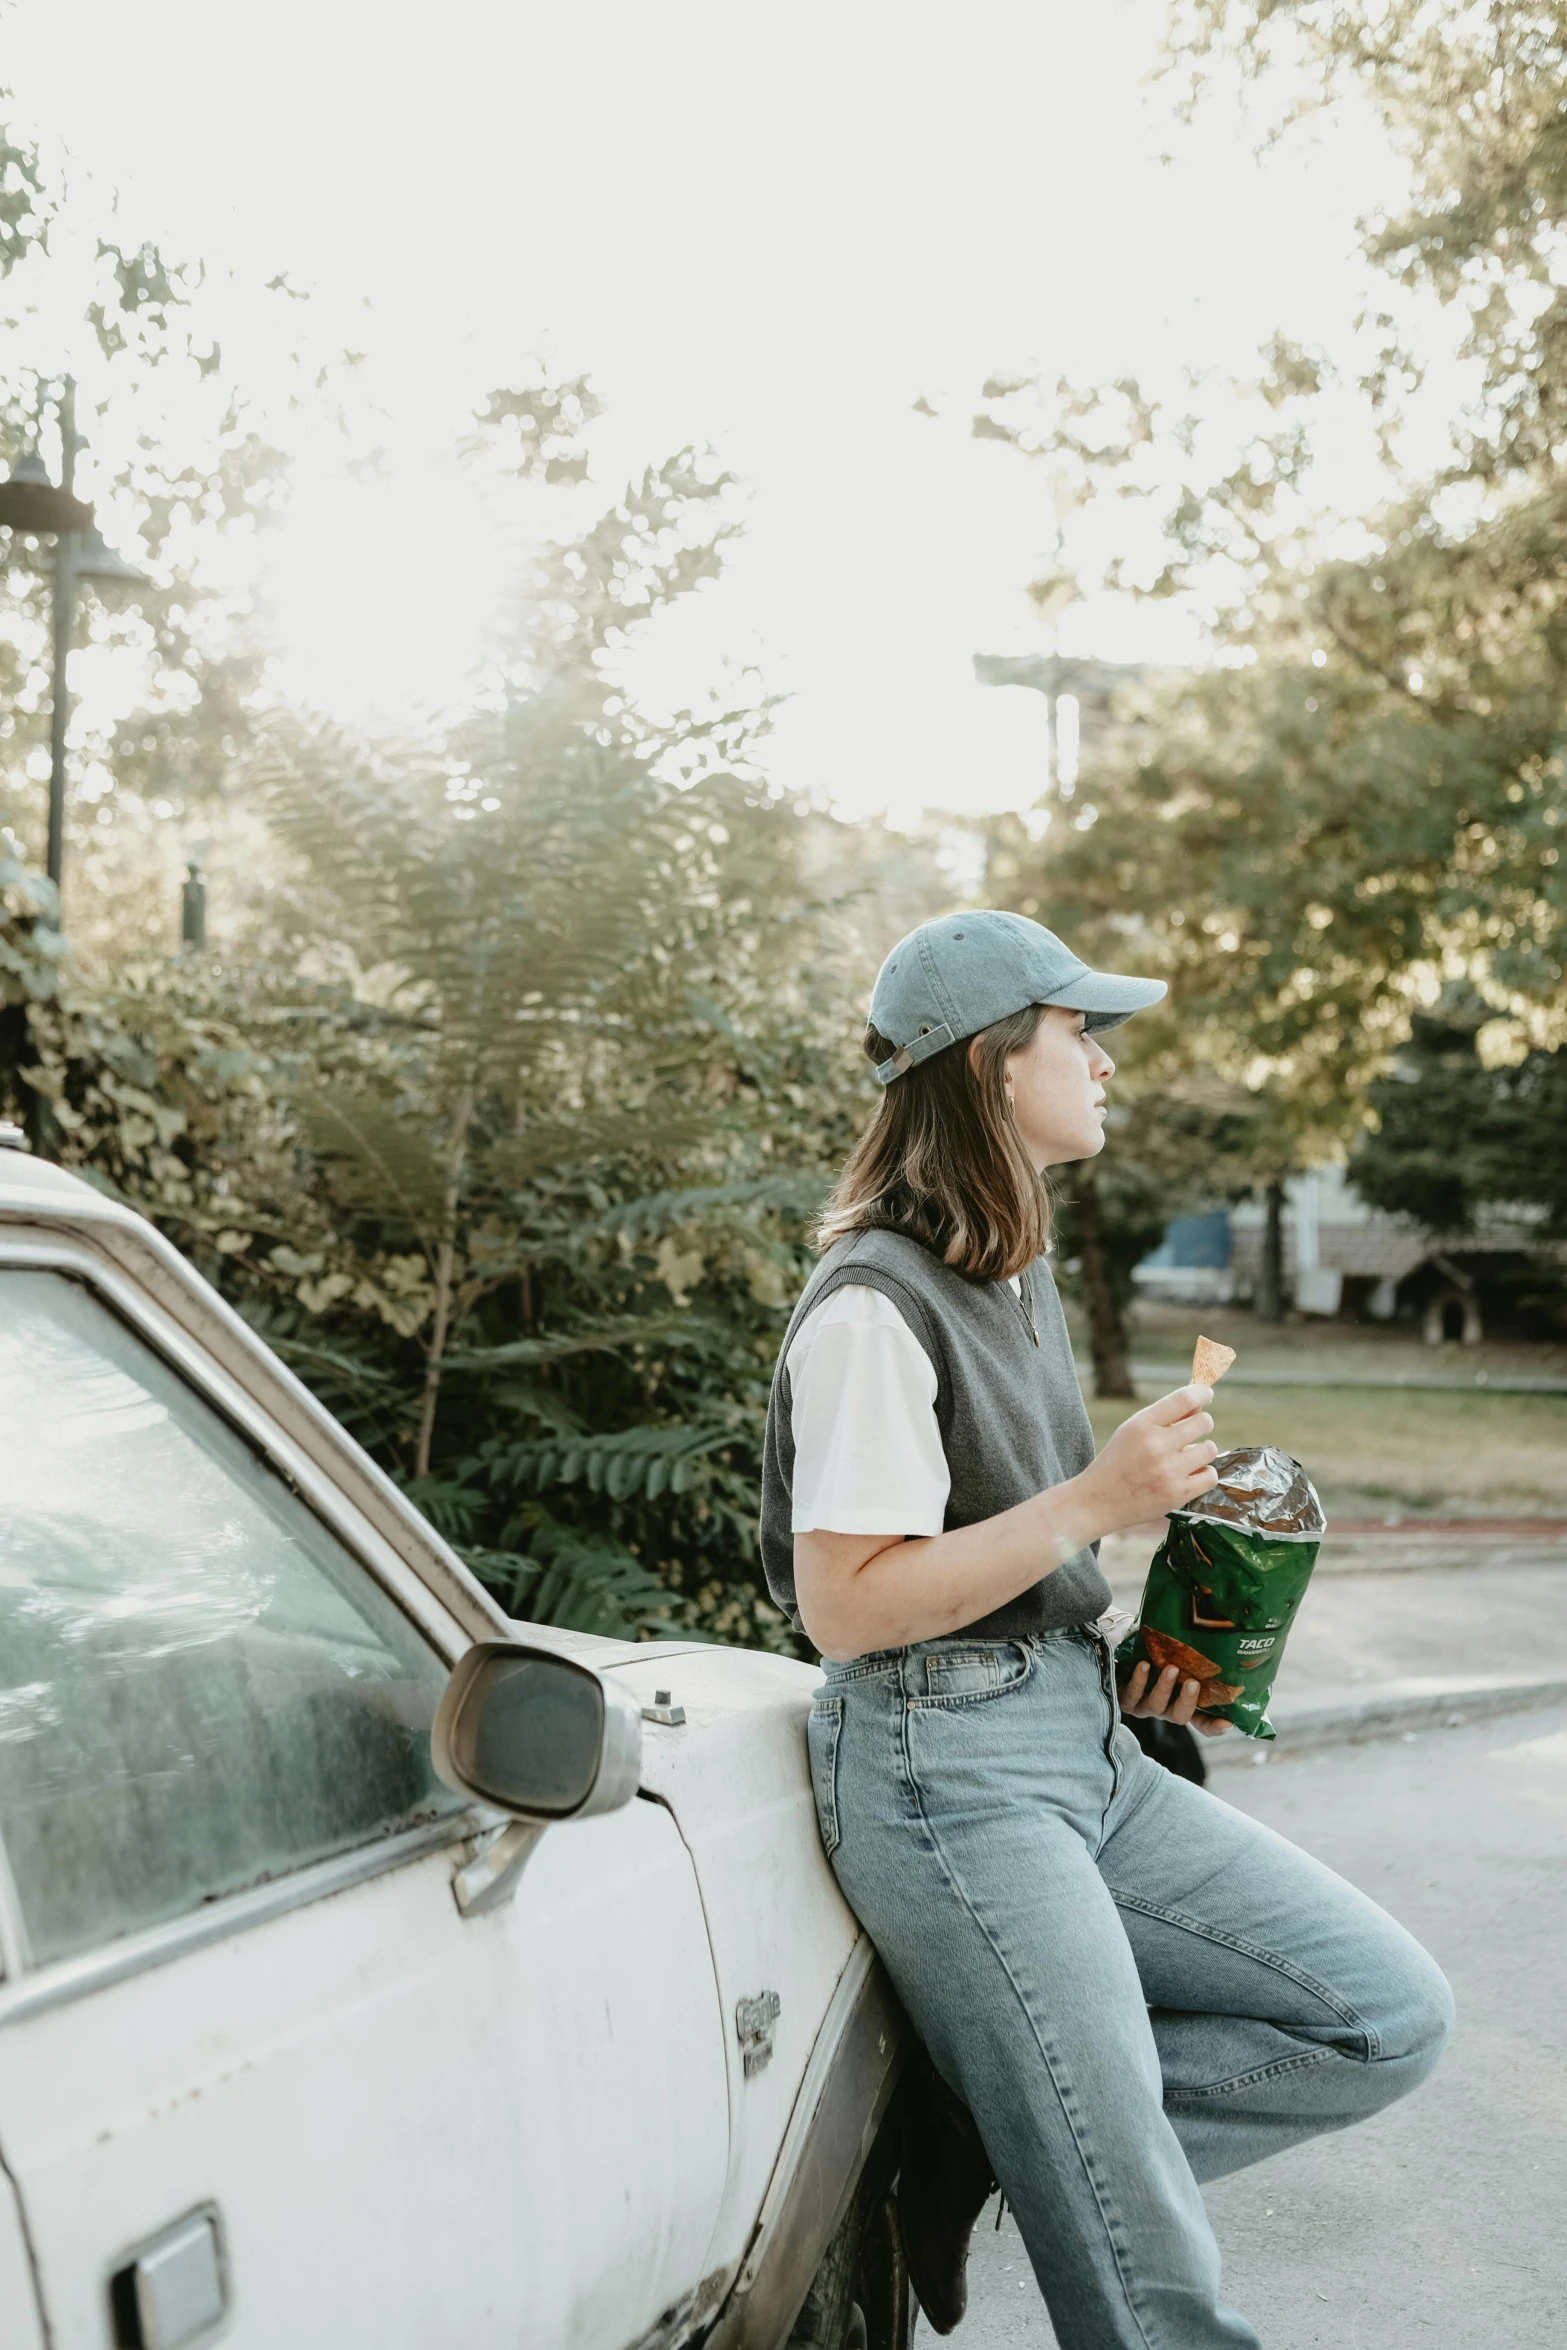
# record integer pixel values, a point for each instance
(1404, 1630)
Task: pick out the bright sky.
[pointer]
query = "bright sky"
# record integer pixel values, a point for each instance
(768, 229)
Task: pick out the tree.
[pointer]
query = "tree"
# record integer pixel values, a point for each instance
(1365, 794)
(509, 1145)
(1454, 1137)
(566, 988)
(505, 1124)
(187, 465)
(1184, 1128)
(143, 1080)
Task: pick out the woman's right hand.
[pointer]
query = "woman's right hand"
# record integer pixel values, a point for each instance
(1158, 1460)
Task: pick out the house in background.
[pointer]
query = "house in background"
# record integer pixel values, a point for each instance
(1342, 1257)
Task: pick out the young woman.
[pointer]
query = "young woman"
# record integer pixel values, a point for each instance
(1131, 1986)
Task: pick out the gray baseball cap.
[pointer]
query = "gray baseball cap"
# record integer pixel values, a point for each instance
(955, 976)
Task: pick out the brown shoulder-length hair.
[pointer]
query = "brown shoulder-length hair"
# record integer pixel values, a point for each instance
(942, 1159)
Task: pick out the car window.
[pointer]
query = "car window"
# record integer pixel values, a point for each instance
(200, 1687)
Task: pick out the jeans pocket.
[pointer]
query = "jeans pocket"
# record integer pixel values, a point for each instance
(822, 1733)
(960, 1676)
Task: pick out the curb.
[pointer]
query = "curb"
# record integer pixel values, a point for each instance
(1346, 1717)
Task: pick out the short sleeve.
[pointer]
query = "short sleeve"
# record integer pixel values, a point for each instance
(868, 1456)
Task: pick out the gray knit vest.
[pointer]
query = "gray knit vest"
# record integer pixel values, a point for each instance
(1010, 1412)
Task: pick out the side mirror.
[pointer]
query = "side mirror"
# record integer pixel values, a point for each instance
(536, 1734)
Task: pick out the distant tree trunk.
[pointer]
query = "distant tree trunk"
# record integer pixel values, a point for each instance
(445, 1256)
(1108, 1342)
(1270, 1284)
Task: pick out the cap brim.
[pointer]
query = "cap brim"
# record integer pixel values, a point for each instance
(1108, 997)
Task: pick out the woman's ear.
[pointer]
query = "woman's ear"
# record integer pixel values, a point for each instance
(974, 1044)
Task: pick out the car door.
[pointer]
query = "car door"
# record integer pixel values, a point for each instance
(258, 2077)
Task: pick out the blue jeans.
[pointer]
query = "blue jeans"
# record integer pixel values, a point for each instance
(1132, 1986)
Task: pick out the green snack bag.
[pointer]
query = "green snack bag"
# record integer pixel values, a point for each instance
(1224, 1584)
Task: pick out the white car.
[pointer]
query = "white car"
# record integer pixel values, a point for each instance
(300, 2046)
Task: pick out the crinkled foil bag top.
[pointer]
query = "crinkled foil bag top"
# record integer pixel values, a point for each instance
(1225, 1583)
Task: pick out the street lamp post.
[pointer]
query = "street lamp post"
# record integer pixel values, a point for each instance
(1047, 674)
(30, 502)
(1093, 683)
(63, 614)
(193, 907)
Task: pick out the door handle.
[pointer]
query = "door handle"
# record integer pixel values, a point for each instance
(171, 2292)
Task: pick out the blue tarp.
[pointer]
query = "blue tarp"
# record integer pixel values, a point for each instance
(1193, 1241)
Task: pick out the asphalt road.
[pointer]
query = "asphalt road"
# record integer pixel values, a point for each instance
(1441, 2222)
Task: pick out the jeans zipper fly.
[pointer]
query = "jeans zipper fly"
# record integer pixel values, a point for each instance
(1107, 1680)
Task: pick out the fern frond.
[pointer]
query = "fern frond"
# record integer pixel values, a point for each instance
(633, 1463)
(542, 1405)
(601, 1337)
(797, 1194)
(377, 1160)
(582, 1583)
(454, 1510)
(325, 1361)
(579, 1140)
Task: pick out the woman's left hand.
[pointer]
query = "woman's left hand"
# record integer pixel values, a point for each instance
(1168, 1699)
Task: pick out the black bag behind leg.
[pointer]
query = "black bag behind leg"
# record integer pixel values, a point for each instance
(1169, 1743)
(944, 2184)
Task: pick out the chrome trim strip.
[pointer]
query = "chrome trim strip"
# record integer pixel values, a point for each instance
(215, 1921)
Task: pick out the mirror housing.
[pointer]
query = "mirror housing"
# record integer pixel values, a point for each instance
(536, 1734)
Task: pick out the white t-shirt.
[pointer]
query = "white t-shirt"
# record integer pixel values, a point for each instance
(868, 1455)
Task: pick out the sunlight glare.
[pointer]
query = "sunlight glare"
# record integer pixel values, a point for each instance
(385, 592)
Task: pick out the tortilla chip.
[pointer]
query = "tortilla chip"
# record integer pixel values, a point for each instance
(1215, 1693)
(1210, 1361)
(1190, 1663)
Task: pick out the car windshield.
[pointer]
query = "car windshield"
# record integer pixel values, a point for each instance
(200, 1686)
